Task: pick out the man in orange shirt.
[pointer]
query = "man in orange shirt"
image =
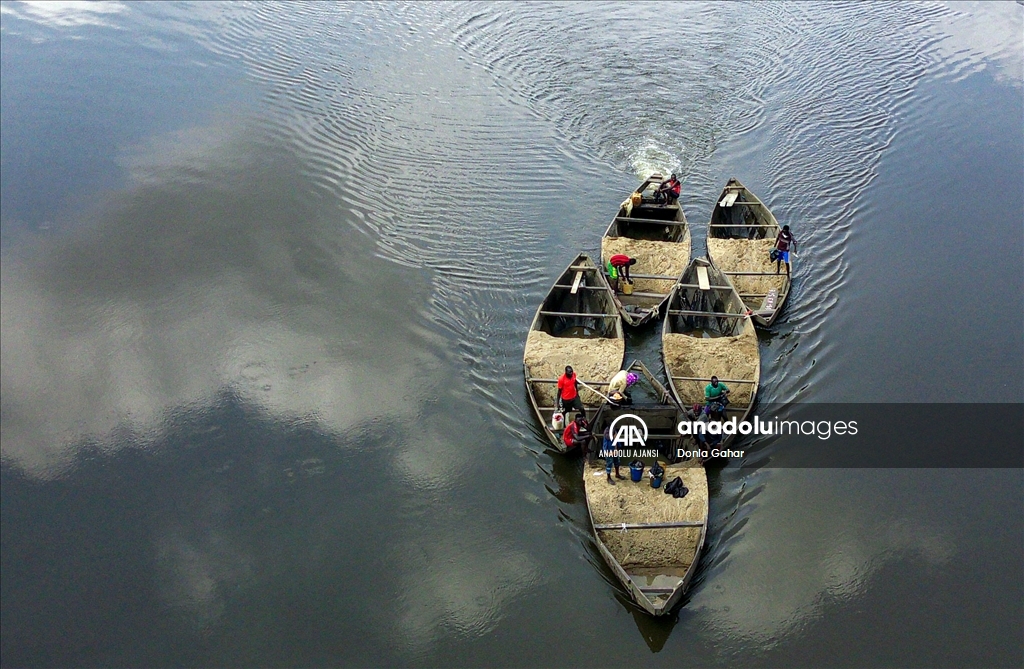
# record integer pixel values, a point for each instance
(568, 392)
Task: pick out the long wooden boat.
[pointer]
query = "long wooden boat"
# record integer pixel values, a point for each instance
(652, 541)
(577, 324)
(741, 235)
(709, 332)
(658, 236)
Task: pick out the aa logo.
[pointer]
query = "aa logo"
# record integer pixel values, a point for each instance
(628, 431)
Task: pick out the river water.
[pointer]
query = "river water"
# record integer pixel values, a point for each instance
(267, 274)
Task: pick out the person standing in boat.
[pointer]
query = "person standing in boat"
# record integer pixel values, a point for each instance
(618, 387)
(610, 459)
(577, 434)
(569, 393)
(783, 243)
(668, 191)
(621, 263)
(716, 392)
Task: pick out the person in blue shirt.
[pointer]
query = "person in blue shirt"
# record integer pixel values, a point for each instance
(610, 460)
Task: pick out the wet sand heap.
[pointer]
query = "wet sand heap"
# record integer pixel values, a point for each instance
(596, 359)
(666, 258)
(724, 357)
(747, 255)
(628, 502)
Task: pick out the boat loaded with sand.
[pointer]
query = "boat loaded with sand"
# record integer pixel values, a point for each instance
(658, 237)
(651, 540)
(741, 236)
(577, 324)
(707, 332)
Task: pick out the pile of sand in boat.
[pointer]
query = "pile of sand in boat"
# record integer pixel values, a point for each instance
(724, 357)
(665, 259)
(748, 255)
(597, 358)
(628, 502)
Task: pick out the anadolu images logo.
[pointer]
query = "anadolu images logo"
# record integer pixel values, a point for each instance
(629, 434)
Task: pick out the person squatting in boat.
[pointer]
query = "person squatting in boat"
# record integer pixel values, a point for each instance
(716, 397)
(577, 433)
(618, 388)
(668, 191)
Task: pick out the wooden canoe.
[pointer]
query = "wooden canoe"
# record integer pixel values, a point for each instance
(741, 234)
(709, 332)
(651, 541)
(658, 236)
(577, 324)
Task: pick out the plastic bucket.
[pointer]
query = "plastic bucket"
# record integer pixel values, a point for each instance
(636, 472)
(627, 288)
(656, 481)
(557, 421)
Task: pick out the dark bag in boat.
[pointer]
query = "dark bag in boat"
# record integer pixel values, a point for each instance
(773, 255)
(676, 488)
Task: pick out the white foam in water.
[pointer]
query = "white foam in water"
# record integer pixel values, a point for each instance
(649, 157)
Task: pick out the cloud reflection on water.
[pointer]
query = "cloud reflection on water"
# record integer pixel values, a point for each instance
(173, 294)
(815, 536)
(215, 274)
(66, 14)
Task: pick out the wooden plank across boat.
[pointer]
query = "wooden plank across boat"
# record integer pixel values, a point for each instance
(577, 324)
(652, 541)
(708, 332)
(658, 236)
(741, 234)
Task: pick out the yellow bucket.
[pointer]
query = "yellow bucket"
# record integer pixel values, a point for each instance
(627, 288)
(637, 198)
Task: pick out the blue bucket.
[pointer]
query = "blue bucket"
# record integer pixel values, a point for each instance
(655, 481)
(636, 471)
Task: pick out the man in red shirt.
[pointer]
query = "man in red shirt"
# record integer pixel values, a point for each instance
(621, 262)
(577, 434)
(669, 190)
(783, 243)
(568, 392)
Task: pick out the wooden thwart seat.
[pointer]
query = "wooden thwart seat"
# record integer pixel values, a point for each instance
(697, 285)
(716, 314)
(702, 278)
(576, 283)
(648, 526)
(652, 221)
(703, 378)
(662, 277)
(573, 314)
